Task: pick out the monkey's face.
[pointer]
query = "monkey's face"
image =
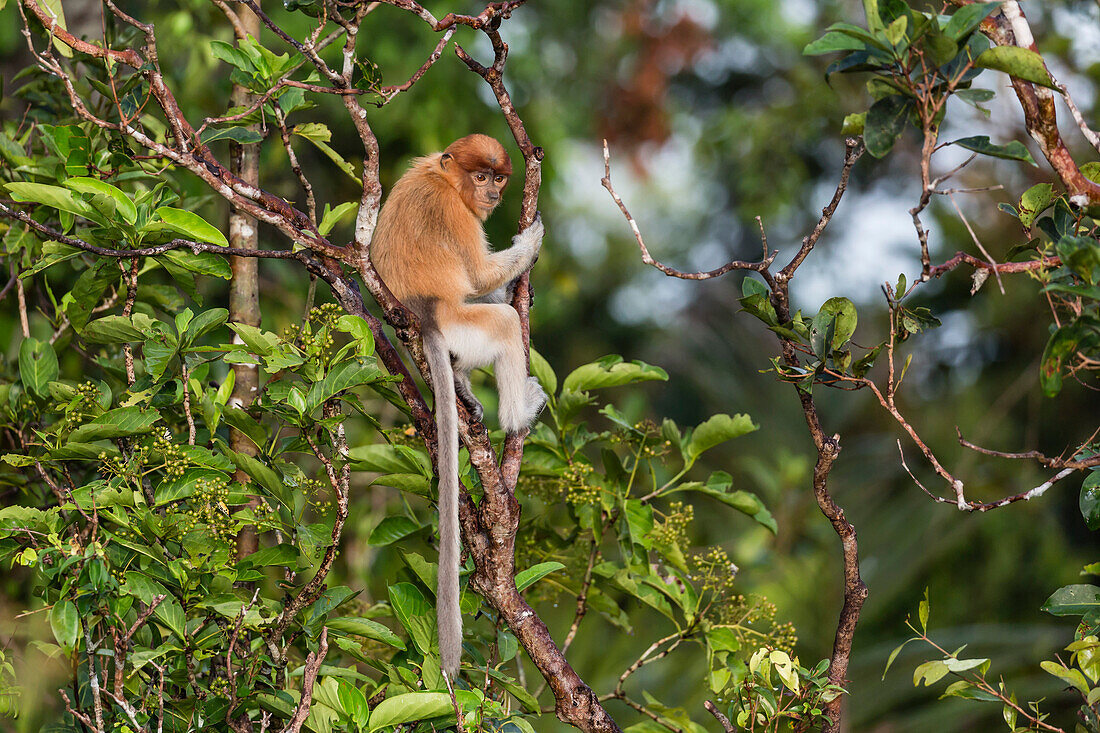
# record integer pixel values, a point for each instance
(485, 187)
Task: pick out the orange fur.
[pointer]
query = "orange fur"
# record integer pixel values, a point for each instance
(431, 251)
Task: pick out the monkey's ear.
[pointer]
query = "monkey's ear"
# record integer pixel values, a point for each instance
(444, 160)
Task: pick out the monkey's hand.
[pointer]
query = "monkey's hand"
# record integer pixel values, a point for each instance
(529, 241)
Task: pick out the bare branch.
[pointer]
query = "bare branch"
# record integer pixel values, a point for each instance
(389, 92)
(309, 677)
(853, 149)
(672, 272)
(722, 719)
(977, 242)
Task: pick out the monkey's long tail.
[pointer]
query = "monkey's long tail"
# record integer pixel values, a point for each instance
(448, 614)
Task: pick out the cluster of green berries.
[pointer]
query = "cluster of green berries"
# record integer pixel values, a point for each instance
(208, 506)
(547, 489)
(316, 338)
(111, 465)
(265, 513)
(80, 407)
(174, 461)
(759, 612)
(219, 687)
(314, 490)
(579, 490)
(714, 573)
(673, 529)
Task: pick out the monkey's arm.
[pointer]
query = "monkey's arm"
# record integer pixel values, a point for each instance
(497, 269)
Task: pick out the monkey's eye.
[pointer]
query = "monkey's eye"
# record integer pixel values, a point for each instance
(479, 177)
(500, 179)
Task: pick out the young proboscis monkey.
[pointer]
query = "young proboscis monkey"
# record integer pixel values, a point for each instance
(431, 251)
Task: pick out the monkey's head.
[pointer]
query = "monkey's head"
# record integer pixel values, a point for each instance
(478, 167)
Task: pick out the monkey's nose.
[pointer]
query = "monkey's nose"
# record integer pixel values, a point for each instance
(494, 196)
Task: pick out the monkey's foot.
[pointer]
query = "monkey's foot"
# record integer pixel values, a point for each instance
(517, 418)
(474, 407)
(536, 399)
(466, 393)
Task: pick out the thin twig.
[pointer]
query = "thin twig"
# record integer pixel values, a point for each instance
(648, 259)
(722, 719)
(978, 242)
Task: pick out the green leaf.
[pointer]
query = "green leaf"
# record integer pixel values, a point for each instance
(359, 329)
(123, 205)
(392, 529)
(204, 263)
(854, 124)
(53, 196)
(722, 639)
(1035, 201)
(716, 430)
(112, 330)
(639, 522)
(718, 487)
(415, 614)
(1022, 63)
(242, 135)
(354, 703)
(319, 135)
(411, 706)
(203, 323)
(258, 341)
(118, 423)
(526, 578)
(414, 483)
(1064, 342)
(365, 628)
(885, 123)
(1090, 500)
(895, 32)
(37, 365)
(1082, 255)
(284, 554)
(263, 474)
(962, 665)
(541, 370)
(894, 655)
(1072, 677)
(385, 458)
(967, 18)
(929, 673)
(331, 217)
(1073, 600)
(191, 225)
(1014, 150)
(88, 289)
(344, 375)
(611, 371)
(832, 42)
(170, 613)
(231, 55)
(65, 622)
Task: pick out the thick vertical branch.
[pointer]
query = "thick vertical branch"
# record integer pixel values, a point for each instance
(244, 288)
(828, 450)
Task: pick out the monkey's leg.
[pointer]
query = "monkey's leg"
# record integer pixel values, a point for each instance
(466, 393)
(502, 294)
(479, 334)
